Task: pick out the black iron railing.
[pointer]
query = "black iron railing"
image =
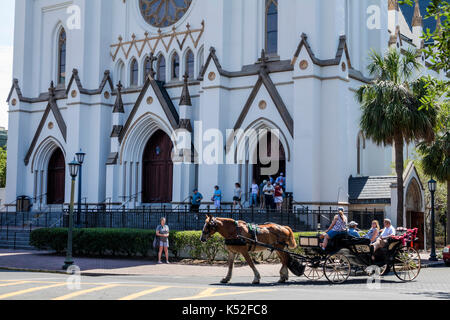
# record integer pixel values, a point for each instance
(183, 218)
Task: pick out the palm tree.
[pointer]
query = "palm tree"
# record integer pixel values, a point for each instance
(391, 108)
(436, 156)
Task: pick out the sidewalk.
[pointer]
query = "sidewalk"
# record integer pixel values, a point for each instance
(48, 262)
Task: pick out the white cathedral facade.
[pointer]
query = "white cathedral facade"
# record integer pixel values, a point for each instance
(108, 77)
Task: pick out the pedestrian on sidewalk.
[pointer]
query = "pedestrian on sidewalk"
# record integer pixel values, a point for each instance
(162, 232)
(217, 198)
(196, 202)
(237, 199)
(254, 192)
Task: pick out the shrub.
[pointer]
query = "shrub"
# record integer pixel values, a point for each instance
(133, 242)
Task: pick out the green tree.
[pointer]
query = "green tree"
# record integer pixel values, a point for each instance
(2, 167)
(435, 156)
(391, 108)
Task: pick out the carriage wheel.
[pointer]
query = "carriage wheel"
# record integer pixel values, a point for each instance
(385, 270)
(337, 268)
(313, 271)
(407, 264)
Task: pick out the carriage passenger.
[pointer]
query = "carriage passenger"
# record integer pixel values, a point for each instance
(382, 240)
(337, 227)
(352, 229)
(373, 233)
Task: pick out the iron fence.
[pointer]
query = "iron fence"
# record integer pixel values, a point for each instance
(300, 220)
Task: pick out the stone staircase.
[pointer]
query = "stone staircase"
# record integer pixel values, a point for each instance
(15, 239)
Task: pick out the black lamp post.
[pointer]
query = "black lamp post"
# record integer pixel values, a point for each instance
(80, 158)
(432, 188)
(73, 169)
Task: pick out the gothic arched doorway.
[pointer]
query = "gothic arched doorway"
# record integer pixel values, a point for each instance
(277, 163)
(56, 178)
(415, 218)
(157, 166)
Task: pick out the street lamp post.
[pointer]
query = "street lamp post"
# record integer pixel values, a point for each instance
(80, 158)
(432, 188)
(73, 168)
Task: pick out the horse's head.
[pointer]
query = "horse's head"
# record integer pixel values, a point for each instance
(209, 229)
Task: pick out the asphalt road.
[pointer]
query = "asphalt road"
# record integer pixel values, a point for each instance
(433, 283)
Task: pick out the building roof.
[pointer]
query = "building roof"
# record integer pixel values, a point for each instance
(370, 189)
(408, 12)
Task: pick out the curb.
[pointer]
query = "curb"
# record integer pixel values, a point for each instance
(88, 274)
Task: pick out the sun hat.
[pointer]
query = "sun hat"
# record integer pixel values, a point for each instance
(353, 223)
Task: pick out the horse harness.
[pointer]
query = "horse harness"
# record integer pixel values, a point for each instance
(253, 230)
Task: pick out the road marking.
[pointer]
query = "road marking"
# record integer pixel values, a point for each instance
(203, 294)
(144, 293)
(209, 293)
(18, 293)
(82, 292)
(13, 283)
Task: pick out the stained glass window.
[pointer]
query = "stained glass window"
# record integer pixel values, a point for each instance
(62, 57)
(271, 26)
(147, 67)
(163, 13)
(190, 64)
(134, 73)
(161, 68)
(175, 67)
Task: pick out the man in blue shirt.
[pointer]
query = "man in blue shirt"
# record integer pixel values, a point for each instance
(281, 180)
(196, 202)
(352, 230)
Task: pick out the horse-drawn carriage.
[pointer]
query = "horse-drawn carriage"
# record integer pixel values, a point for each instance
(346, 255)
(343, 255)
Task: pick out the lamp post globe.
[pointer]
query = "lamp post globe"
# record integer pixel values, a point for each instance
(73, 170)
(80, 158)
(432, 187)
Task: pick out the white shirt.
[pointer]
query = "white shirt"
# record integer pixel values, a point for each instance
(268, 190)
(388, 232)
(255, 189)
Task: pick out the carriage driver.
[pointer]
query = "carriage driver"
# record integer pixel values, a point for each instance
(337, 227)
(382, 240)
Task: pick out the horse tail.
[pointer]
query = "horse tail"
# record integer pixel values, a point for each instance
(292, 243)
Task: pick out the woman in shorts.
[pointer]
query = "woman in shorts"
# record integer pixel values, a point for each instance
(237, 199)
(278, 196)
(162, 232)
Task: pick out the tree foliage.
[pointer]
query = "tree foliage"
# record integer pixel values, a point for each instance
(392, 112)
(2, 168)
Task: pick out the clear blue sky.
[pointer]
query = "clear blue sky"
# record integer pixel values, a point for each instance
(6, 53)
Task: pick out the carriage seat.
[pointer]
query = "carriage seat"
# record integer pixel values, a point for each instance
(359, 241)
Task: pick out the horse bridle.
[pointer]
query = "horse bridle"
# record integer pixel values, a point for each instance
(212, 225)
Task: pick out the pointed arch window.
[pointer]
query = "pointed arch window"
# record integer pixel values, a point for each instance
(147, 67)
(62, 39)
(200, 60)
(161, 74)
(134, 71)
(190, 63)
(271, 26)
(360, 145)
(175, 67)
